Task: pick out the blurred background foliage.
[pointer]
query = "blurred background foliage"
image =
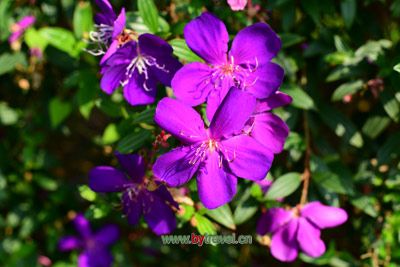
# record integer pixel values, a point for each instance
(340, 60)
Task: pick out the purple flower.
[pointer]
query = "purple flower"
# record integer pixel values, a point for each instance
(247, 65)
(219, 154)
(138, 67)
(109, 32)
(94, 246)
(20, 27)
(139, 197)
(299, 229)
(237, 4)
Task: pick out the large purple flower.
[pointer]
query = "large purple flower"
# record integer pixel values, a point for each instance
(139, 197)
(94, 246)
(247, 65)
(138, 67)
(20, 27)
(299, 229)
(109, 30)
(219, 154)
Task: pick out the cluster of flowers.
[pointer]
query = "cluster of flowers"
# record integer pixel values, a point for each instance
(240, 88)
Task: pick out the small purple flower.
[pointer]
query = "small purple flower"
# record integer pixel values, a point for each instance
(108, 30)
(138, 67)
(247, 65)
(94, 246)
(299, 229)
(140, 197)
(20, 27)
(219, 154)
(237, 4)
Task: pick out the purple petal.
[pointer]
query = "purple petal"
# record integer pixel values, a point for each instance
(269, 130)
(82, 226)
(207, 36)
(266, 79)
(83, 260)
(132, 207)
(323, 216)
(107, 235)
(174, 167)
(308, 237)
(216, 187)
(107, 15)
(111, 78)
(274, 101)
(105, 179)
(69, 243)
(216, 97)
(133, 165)
(140, 91)
(110, 51)
(191, 84)
(246, 157)
(97, 256)
(284, 244)
(182, 121)
(257, 42)
(26, 22)
(272, 220)
(164, 194)
(233, 113)
(158, 215)
(119, 24)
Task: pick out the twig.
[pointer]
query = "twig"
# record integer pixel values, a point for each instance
(307, 171)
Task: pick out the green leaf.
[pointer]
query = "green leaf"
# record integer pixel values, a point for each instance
(246, 206)
(58, 111)
(146, 116)
(83, 19)
(366, 204)
(133, 141)
(348, 8)
(5, 16)
(34, 40)
(183, 52)
(204, 225)
(390, 104)
(8, 116)
(8, 61)
(389, 148)
(87, 92)
(223, 215)
(348, 88)
(375, 125)
(149, 13)
(46, 183)
(284, 185)
(87, 193)
(110, 134)
(61, 39)
(300, 98)
(342, 126)
(397, 68)
(290, 39)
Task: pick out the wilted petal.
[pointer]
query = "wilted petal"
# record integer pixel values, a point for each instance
(69, 243)
(308, 237)
(207, 36)
(133, 165)
(233, 113)
(174, 167)
(275, 100)
(82, 225)
(246, 157)
(272, 220)
(216, 187)
(191, 84)
(256, 42)
(158, 215)
(269, 130)
(182, 121)
(107, 179)
(323, 216)
(265, 80)
(107, 235)
(237, 4)
(284, 244)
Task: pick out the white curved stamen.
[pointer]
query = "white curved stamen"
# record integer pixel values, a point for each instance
(101, 37)
(201, 151)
